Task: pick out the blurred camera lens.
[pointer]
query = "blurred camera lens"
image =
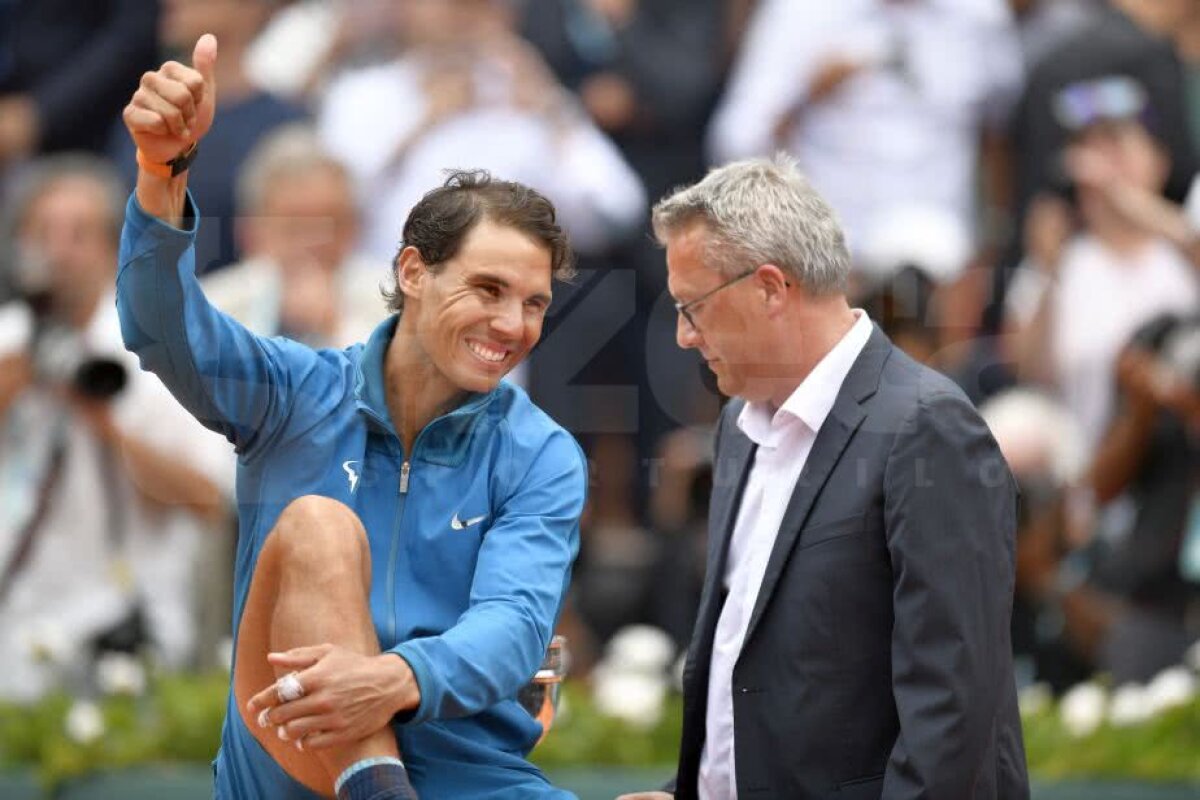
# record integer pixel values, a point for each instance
(100, 378)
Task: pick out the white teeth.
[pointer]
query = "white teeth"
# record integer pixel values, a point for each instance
(487, 353)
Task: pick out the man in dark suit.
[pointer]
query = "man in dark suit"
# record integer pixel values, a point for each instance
(853, 632)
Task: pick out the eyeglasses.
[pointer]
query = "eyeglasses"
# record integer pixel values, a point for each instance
(685, 309)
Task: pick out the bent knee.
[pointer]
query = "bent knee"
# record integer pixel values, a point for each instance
(319, 530)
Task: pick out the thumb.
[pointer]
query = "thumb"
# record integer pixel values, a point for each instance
(204, 60)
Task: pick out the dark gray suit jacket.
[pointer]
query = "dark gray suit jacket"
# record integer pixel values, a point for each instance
(877, 662)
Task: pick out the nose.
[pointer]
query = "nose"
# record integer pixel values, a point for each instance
(508, 321)
(686, 336)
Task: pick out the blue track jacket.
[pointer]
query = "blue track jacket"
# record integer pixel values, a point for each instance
(472, 535)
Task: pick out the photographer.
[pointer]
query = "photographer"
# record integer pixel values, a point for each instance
(108, 483)
(1149, 455)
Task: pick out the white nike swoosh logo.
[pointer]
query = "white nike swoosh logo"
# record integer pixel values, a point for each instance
(458, 524)
(351, 474)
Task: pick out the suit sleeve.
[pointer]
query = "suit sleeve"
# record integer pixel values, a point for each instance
(950, 515)
(243, 386)
(521, 576)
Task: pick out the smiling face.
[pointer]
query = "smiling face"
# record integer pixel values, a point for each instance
(481, 312)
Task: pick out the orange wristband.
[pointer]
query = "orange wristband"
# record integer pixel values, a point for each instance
(170, 169)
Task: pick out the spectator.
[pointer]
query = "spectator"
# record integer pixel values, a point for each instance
(1057, 622)
(1150, 453)
(298, 225)
(1083, 295)
(468, 93)
(51, 103)
(308, 42)
(246, 113)
(1123, 38)
(917, 279)
(862, 96)
(101, 518)
(647, 72)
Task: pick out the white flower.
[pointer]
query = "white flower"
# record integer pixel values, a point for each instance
(1170, 688)
(677, 672)
(1082, 708)
(120, 673)
(1192, 656)
(640, 648)
(1130, 705)
(632, 697)
(224, 653)
(84, 722)
(1034, 699)
(48, 642)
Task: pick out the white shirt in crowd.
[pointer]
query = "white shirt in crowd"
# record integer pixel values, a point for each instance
(902, 131)
(1101, 301)
(785, 438)
(369, 113)
(251, 292)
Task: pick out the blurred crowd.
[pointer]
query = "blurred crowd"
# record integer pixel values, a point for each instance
(1017, 180)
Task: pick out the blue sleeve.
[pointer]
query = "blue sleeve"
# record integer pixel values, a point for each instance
(521, 576)
(243, 386)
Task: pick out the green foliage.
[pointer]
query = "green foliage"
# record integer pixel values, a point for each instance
(178, 719)
(581, 736)
(1163, 748)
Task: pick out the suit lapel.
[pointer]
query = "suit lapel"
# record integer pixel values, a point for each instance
(835, 434)
(730, 470)
(729, 473)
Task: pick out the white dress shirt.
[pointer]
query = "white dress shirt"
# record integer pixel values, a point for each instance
(784, 438)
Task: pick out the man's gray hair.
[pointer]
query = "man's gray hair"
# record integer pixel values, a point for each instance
(43, 173)
(290, 150)
(761, 211)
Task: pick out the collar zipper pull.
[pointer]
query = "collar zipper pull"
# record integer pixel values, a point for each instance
(404, 478)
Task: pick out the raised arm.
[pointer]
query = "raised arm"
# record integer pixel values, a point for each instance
(236, 383)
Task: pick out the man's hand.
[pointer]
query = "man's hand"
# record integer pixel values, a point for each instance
(647, 796)
(831, 75)
(347, 695)
(174, 105)
(1048, 228)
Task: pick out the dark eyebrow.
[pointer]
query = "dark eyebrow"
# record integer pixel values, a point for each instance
(488, 277)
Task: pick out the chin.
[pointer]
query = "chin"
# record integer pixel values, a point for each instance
(474, 379)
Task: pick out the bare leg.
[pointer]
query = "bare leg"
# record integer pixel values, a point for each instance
(311, 586)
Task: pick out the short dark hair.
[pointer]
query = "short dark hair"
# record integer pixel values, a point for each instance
(439, 223)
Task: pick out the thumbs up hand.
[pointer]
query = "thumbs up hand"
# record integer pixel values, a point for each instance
(173, 107)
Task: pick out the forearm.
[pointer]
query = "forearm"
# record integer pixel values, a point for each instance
(1120, 454)
(1032, 339)
(163, 198)
(164, 479)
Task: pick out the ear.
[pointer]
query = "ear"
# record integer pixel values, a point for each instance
(410, 272)
(772, 284)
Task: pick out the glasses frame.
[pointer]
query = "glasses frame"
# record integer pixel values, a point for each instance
(685, 309)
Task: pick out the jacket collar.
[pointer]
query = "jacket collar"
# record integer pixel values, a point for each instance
(445, 439)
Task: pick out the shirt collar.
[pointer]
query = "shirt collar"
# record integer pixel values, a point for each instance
(811, 401)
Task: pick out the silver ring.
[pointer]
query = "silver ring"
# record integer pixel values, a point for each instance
(288, 688)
